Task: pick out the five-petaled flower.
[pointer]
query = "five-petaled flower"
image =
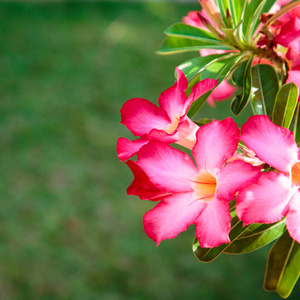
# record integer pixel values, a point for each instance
(276, 194)
(168, 122)
(195, 195)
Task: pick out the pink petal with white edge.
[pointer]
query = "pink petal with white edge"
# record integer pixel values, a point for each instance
(272, 144)
(265, 201)
(186, 133)
(235, 176)
(171, 216)
(216, 142)
(140, 116)
(141, 185)
(168, 169)
(293, 218)
(126, 149)
(213, 225)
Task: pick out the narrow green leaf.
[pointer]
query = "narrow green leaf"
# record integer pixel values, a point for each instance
(174, 44)
(218, 69)
(202, 122)
(285, 105)
(238, 75)
(221, 68)
(223, 7)
(265, 86)
(297, 125)
(255, 237)
(235, 35)
(196, 65)
(240, 102)
(253, 11)
(236, 8)
(283, 266)
(191, 32)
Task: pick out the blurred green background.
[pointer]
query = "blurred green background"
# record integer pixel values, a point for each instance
(67, 228)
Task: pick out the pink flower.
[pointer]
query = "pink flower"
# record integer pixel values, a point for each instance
(222, 92)
(276, 194)
(168, 122)
(197, 195)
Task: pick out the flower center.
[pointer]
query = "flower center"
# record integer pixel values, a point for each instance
(205, 186)
(296, 174)
(171, 127)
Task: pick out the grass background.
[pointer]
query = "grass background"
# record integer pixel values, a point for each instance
(67, 228)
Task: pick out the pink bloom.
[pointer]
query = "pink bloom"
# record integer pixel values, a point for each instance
(275, 195)
(197, 195)
(222, 92)
(168, 122)
(294, 76)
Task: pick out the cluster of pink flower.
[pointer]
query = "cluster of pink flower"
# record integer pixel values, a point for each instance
(284, 32)
(200, 195)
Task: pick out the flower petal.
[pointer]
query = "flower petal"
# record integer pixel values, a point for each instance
(293, 218)
(171, 216)
(173, 99)
(140, 116)
(141, 185)
(222, 92)
(265, 201)
(126, 149)
(213, 225)
(169, 169)
(216, 142)
(235, 176)
(273, 144)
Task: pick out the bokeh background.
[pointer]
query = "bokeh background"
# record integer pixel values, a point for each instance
(67, 228)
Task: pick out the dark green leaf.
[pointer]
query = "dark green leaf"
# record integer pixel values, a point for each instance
(255, 237)
(283, 267)
(285, 105)
(174, 44)
(264, 89)
(191, 32)
(297, 125)
(240, 102)
(238, 75)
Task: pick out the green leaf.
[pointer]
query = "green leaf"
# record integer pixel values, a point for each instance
(265, 86)
(285, 105)
(218, 69)
(255, 237)
(174, 44)
(253, 11)
(203, 121)
(221, 68)
(191, 32)
(240, 102)
(283, 267)
(223, 6)
(235, 35)
(297, 125)
(238, 75)
(236, 8)
(194, 66)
